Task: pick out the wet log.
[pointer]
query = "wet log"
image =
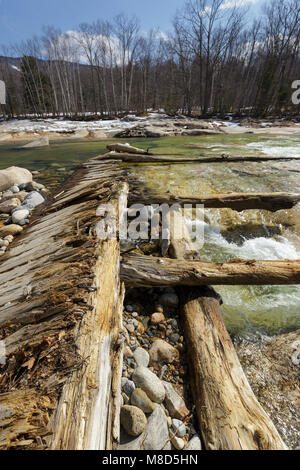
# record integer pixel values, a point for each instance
(149, 271)
(173, 159)
(229, 415)
(61, 305)
(236, 201)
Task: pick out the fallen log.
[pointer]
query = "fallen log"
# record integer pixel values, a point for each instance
(61, 322)
(126, 148)
(236, 201)
(149, 271)
(229, 415)
(173, 159)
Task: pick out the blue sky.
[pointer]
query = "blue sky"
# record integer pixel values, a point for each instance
(22, 19)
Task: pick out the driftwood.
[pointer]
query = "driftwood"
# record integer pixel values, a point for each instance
(61, 319)
(229, 415)
(236, 201)
(149, 271)
(126, 148)
(173, 159)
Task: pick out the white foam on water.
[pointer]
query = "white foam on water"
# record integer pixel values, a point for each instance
(280, 147)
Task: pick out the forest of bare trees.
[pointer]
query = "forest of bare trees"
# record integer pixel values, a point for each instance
(216, 59)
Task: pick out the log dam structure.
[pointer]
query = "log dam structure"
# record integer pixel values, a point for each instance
(61, 307)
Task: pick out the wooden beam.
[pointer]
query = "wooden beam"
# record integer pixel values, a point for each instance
(149, 271)
(236, 201)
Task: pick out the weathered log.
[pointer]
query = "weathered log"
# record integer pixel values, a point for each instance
(236, 201)
(173, 159)
(149, 271)
(60, 319)
(126, 148)
(229, 415)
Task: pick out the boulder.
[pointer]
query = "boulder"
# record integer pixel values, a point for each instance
(150, 383)
(174, 403)
(14, 176)
(162, 353)
(133, 420)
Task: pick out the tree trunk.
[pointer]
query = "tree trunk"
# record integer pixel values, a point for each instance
(229, 415)
(149, 271)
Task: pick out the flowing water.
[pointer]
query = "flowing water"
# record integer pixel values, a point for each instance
(248, 310)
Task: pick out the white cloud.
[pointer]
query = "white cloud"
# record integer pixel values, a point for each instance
(237, 4)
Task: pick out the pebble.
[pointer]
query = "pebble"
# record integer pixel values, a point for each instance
(14, 189)
(194, 444)
(128, 386)
(130, 327)
(141, 357)
(157, 317)
(150, 383)
(19, 216)
(179, 427)
(34, 199)
(127, 352)
(162, 353)
(157, 431)
(140, 399)
(129, 308)
(7, 206)
(12, 229)
(174, 403)
(178, 443)
(133, 420)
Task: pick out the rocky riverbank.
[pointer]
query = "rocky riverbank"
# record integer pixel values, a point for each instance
(19, 197)
(152, 125)
(156, 412)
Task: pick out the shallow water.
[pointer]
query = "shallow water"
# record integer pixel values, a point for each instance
(228, 234)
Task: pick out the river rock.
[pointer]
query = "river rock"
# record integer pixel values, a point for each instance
(133, 420)
(150, 383)
(157, 318)
(178, 443)
(34, 186)
(14, 189)
(141, 357)
(140, 399)
(169, 300)
(162, 353)
(179, 427)
(7, 206)
(21, 195)
(128, 386)
(157, 431)
(12, 229)
(194, 444)
(34, 199)
(174, 403)
(14, 176)
(18, 216)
